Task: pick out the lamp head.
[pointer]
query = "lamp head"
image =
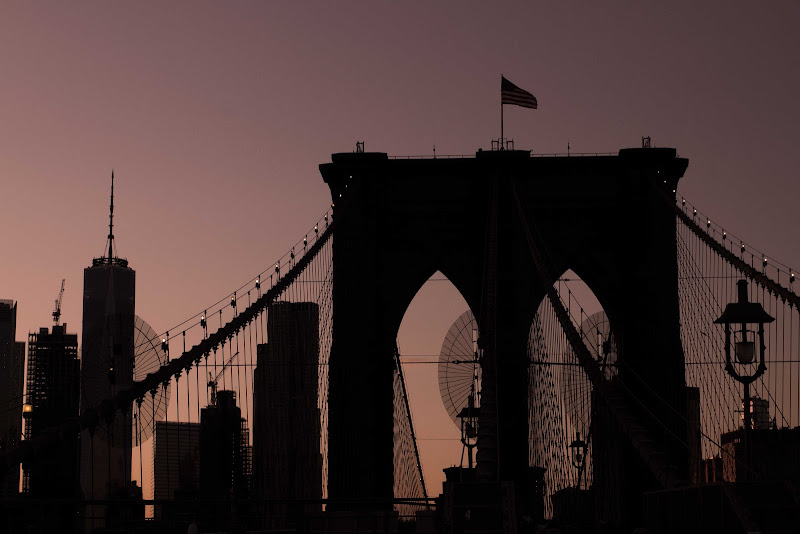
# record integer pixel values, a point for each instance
(743, 311)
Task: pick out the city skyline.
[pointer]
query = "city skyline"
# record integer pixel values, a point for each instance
(215, 121)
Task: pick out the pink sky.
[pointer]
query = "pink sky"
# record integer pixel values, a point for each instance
(215, 117)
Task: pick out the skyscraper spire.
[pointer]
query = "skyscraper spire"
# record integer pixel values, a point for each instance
(111, 221)
(109, 255)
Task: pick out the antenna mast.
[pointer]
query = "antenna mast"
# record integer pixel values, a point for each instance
(111, 221)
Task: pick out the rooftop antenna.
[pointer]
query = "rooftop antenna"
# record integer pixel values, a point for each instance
(111, 221)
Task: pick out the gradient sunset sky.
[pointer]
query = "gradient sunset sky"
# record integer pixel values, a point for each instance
(215, 117)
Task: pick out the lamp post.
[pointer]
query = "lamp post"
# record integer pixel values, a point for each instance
(748, 319)
(578, 455)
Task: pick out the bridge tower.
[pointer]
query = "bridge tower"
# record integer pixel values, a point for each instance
(401, 220)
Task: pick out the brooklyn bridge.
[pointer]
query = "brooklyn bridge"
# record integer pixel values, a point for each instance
(674, 409)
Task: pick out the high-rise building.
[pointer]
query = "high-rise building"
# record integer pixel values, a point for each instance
(107, 358)
(225, 456)
(286, 417)
(12, 362)
(52, 397)
(176, 460)
(224, 443)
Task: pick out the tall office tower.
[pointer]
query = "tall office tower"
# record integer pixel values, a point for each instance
(176, 460)
(286, 419)
(52, 397)
(107, 357)
(12, 362)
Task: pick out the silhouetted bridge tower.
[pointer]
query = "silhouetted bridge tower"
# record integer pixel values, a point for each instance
(503, 227)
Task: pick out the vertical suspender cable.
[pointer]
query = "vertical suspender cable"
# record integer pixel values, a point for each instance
(188, 385)
(139, 436)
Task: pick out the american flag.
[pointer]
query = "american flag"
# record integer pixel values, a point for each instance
(511, 94)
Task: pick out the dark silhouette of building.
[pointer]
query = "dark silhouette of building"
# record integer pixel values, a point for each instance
(775, 455)
(224, 448)
(471, 219)
(763, 493)
(52, 397)
(176, 460)
(107, 357)
(286, 417)
(12, 362)
(53, 394)
(225, 459)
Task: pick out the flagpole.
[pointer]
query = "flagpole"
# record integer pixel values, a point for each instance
(501, 124)
(515, 97)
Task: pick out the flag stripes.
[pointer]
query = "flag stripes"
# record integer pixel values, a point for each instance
(511, 94)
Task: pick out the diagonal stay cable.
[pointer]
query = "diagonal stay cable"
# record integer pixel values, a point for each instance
(661, 471)
(410, 422)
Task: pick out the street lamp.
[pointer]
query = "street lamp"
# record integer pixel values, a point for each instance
(578, 455)
(748, 320)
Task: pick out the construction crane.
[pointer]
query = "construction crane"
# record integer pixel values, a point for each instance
(212, 381)
(57, 310)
